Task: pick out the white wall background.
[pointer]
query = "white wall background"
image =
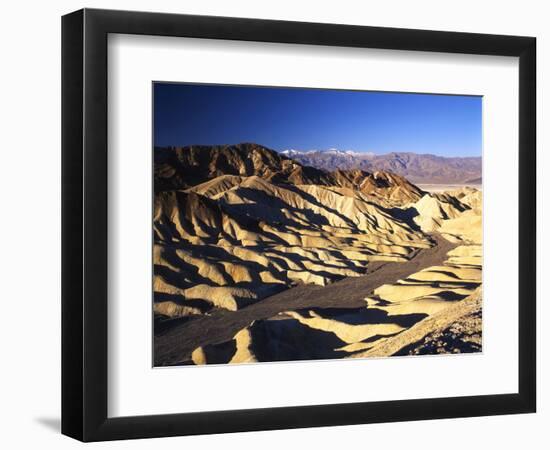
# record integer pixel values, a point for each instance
(30, 225)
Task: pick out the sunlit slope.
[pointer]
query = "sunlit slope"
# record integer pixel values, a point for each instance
(456, 214)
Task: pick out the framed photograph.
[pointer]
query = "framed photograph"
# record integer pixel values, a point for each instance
(273, 224)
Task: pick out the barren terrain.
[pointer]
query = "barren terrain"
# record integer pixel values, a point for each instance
(258, 258)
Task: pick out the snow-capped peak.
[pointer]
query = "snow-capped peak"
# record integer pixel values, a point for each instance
(330, 151)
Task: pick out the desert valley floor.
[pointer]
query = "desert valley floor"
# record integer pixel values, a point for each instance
(260, 258)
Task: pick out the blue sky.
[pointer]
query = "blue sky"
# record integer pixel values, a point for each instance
(306, 119)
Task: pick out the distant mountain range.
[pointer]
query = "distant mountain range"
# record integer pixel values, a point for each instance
(418, 168)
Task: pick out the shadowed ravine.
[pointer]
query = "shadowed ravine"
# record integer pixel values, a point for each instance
(177, 339)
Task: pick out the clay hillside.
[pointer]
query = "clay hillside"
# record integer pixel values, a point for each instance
(258, 257)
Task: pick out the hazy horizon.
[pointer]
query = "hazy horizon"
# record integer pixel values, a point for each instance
(317, 119)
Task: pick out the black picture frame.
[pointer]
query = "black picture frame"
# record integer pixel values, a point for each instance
(84, 224)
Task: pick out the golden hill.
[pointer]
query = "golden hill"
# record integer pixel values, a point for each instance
(248, 233)
(183, 167)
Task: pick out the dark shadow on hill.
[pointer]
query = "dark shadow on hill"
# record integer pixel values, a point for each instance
(405, 215)
(289, 340)
(364, 316)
